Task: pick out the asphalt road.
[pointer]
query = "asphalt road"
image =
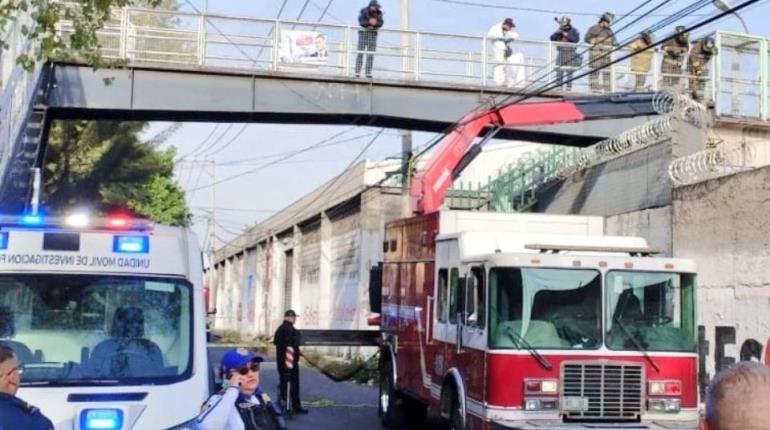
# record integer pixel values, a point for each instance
(332, 404)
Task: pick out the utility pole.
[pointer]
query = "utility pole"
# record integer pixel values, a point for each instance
(213, 209)
(406, 135)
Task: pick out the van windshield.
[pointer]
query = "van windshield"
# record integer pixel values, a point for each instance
(547, 308)
(96, 329)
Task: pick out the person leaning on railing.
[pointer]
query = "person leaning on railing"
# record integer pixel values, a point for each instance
(567, 59)
(370, 19)
(674, 51)
(602, 40)
(697, 65)
(641, 62)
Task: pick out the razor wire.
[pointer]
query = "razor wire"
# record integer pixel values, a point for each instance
(711, 164)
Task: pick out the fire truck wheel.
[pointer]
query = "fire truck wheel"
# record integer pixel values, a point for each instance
(456, 417)
(391, 404)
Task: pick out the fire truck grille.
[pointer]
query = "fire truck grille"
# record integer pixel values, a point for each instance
(612, 390)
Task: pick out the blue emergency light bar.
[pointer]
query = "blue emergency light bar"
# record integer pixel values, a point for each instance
(76, 221)
(3, 240)
(131, 244)
(101, 419)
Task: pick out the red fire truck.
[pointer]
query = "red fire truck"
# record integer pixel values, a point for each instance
(532, 321)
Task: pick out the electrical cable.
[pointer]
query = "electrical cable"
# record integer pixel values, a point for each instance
(258, 169)
(200, 145)
(528, 9)
(226, 145)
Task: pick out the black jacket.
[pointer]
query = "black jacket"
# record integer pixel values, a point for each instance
(364, 15)
(18, 414)
(286, 335)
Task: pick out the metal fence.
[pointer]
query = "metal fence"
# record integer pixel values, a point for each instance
(229, 42)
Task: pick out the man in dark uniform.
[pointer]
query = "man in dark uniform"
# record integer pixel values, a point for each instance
(14, 412)
(567, 59)
(288, 336)
(370, 20)
(602, 41)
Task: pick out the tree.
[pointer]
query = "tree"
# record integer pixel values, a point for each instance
(103, 165)
(87, 18)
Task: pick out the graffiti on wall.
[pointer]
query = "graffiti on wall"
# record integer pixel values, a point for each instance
(723, 337)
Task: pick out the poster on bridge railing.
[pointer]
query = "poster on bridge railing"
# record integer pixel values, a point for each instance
(303, 48)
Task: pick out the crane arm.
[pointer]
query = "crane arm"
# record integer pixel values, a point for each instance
(430, 184)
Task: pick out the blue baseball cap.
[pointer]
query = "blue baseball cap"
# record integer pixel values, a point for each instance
(238, 358)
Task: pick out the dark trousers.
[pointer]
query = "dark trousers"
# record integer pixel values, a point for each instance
(563, 74)
(367, 41)
(289, 377)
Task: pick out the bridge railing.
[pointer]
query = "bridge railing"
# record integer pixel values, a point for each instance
(247, 43)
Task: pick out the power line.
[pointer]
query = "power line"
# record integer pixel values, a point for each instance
(223, 147)
(535, 10)
(213, 130)
(262, 167)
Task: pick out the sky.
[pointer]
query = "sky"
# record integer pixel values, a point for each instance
(264, 181)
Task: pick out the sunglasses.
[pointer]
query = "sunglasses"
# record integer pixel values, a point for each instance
(253, 366)
(15, 369)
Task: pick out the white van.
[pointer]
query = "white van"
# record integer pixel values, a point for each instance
(107, 318)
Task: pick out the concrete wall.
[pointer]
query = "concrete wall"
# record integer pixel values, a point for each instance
(329, 270)
(636, 181)
(723, 225)
(651, 224)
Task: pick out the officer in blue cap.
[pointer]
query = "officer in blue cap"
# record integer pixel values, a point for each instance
(241, 405)
(14, 412)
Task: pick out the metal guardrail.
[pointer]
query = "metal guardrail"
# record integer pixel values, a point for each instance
(148, 36)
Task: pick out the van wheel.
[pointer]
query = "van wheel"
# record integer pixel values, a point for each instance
(391, 404)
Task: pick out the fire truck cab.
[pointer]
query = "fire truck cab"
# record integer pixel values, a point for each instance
(532, 321)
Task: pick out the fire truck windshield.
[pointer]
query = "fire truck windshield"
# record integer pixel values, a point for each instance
(548, 308)
(97, 329)
(654, 310)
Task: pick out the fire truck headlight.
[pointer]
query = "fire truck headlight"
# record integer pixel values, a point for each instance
(670, 406)
(664, 388)
(549, 387)
(532, 405)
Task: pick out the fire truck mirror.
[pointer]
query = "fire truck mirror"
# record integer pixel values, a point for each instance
(375, 288)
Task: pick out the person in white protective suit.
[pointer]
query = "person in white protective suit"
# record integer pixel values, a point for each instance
(509, 65)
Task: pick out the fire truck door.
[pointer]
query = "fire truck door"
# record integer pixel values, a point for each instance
(473, 324)
(446, 308)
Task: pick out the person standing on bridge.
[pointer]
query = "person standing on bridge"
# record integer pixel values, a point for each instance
(641, 62)
(567, 59)
(370, 20)
(602, 40)
(509, 69)
(674, 51)
(14, 412)
(286, 341)
(698, 65)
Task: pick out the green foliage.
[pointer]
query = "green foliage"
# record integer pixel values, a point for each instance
(85, 19)
(103, 165)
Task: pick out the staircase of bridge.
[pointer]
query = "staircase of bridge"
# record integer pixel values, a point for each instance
(737, 83)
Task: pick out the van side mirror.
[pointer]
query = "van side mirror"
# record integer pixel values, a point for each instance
(375, 288)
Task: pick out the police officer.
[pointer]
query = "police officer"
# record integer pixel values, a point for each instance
(602, 40)
(287, 336)
(697, 64)
(641, 62)
(566, 57)
(14, 412)
(241, 405)
(674, 51)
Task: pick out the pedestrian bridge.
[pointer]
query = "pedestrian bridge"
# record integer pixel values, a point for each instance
(210, 67)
